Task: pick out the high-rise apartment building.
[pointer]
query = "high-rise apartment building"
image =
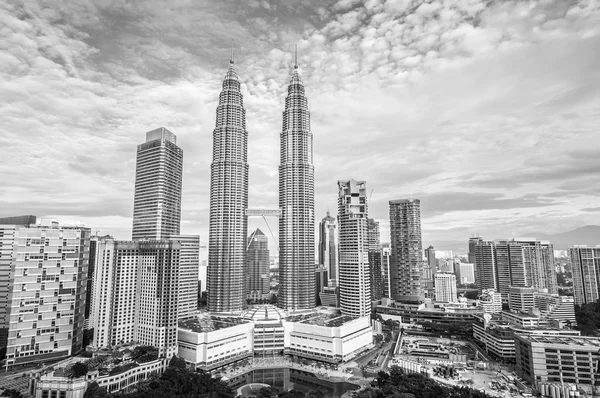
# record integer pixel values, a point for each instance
(445, 288)
(189, 268)
(407, 249)
(538, 257)
(328, 249)
(297, 203)
(355, 289)
(136, 293)
(510, 266)
(47, 296)
(257, 266)
(158, 175)
(228, 225)
(375, 271)
(465, 273)
(585, 262)
(485, 265)
(386, 252)
(8, 229)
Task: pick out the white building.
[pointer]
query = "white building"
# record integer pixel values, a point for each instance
(490, 301)
(47, 298)
(209, 342)
(445, 287)
(553, 306)
(465, 273)
(521, 298)
(189, 268)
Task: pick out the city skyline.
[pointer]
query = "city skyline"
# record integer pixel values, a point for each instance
(72, 91)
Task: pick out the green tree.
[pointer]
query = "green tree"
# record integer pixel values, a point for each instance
(267, 392)
(95, 391)
(588, 318)
(79, 369)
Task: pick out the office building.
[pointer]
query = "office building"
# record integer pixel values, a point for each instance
(136, 293)
(585, 262)
(471, 256)
(257, 266)
(465, 273)
(375, 270)
(297, 203)
(328, 249)
(430, 269)
(321, 278)
(539, 264)
(8, 229)
(510, 266)
(228, 225)
(189, 268)
(47, 296)
(555, 307)
(521, 298)
(485, 265)
(386, 252)
(355, 286)
(445, 287)
(407, 250)
(559, 359)
(158, 175)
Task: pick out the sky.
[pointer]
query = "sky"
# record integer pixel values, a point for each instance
(487, 111)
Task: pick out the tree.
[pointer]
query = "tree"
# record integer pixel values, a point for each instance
(79, 369)
(11, 393)
(267, 392)
(588, 318)
(178, 363)
(95, 391)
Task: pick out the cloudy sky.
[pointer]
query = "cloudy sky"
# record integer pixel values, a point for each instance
(488, 111)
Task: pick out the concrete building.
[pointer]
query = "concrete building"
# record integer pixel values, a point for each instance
(430, 269)
(257, 266)
(47, 296)
(490, 301)
(269, 331)
(521, 298)
(189, 268)
(208, 342)
(560, 359)
(158, 176)
(558, 308)
(328, 248)
(497, 336)
(321, 279)
(8, 230)
(586, 274)
(445, 287)
(539, 264)
(485, 265)
(355, 286)
(297, 203)
(136, 294)
(465, 273)
(228, 224)
(426, 312)
(375, 270)
(510, 267)
(386, 252)
(407, 250)
(471, 256)
(330, 296)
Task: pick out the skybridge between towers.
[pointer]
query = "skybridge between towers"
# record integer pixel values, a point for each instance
(264, 213)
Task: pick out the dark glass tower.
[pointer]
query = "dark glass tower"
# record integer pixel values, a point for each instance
(297, 202)
(228, 225)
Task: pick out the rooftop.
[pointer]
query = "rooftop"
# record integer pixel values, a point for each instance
(328, 320)
(566, 340)
(264, 313)
(204, 323)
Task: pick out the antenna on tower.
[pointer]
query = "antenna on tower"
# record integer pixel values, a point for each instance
(231, 59)
(296, 56)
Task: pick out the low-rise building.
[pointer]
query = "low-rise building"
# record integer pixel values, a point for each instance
(209, 342)
(444, 314)
(558, 359)
(268, 334)
(490, 301)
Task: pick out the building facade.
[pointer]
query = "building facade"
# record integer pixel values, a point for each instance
(386, 253)
(158, 177)
(47, 296)
(445, 288)
(485, 264)
(539, 264)
(406, 249)
(297, 203)
(375, 269)
(355, 285)
(521, 298)
(465, 273)
(228, 225)
(257, 266)
(328, 248)
(189, 268)
(586, 274)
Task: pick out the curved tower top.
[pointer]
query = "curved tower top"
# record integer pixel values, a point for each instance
(228, 200)
(297, 290)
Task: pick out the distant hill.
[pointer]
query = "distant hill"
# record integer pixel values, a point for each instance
(586, 235)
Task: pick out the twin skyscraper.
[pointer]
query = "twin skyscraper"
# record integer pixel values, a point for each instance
(228, 225)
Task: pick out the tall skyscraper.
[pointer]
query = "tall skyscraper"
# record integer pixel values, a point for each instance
(328, 248)
(158, 175)
(485, 265)
(471, 255)
(189, 268)
(355, 289)
(510, 267)
(586, 274)
(228, 225)
(375, 270)
(257, 265)
(445, 287)
(8, 230)
(136, 293)
(539, 265)
(407, 249)
(47, 297)
(386, 252)
(297, 203)
(429, 272)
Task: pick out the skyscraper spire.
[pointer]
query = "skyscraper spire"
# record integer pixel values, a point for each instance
(296, 57)
(297, 286)
(231, 58)
(228, 225)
